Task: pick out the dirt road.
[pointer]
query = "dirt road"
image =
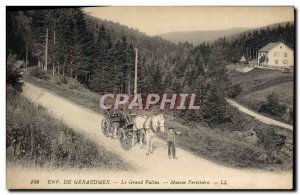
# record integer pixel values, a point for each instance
(259, 117)
(156, 167)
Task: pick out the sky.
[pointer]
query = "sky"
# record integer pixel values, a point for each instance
(158, 20)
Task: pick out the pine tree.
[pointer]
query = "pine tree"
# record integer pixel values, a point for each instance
(214, 108)
(19, 34)
(156, 79)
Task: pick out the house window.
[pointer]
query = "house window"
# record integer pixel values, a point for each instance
(284, 61)
(285, 55)
(276, 61)
(275, 54)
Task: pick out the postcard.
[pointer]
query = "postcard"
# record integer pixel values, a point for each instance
(152, 98)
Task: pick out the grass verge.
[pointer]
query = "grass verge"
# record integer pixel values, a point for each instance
(65, 87)
(228, 144)
(34, 138)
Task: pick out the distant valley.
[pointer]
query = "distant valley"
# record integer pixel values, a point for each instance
(197, 37)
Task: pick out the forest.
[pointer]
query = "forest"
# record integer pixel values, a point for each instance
(100, 55)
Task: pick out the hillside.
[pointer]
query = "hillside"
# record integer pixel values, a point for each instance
(198, 37)
(257, 84)
(149, 46)
(270, 27)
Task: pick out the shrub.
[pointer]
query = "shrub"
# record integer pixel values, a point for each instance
(234, 91)
(271, 140)
(74, 86)
(38, 73)
(272, 106)
(13, 75)
(64, 80)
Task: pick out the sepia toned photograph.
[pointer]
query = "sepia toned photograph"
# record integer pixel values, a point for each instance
(150, 98)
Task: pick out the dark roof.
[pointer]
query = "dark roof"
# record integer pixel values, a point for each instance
(269, 46)
(243, 59)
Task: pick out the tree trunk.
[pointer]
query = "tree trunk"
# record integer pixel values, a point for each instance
(54, 56)
(26, 63)
(53, 69)
(64, 68)
(46, 51)
(128, 84)
(31, 143)
(72, 70)
(135, 71)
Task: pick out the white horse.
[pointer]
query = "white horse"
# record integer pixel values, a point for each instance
(149, 126)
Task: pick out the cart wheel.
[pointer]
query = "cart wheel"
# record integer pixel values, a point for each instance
(105, 127)
(124, 140)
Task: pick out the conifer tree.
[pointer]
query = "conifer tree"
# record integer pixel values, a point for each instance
(214, 108)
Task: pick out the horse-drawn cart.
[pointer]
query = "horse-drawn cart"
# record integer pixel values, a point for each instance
(117, 124)
(110, 121)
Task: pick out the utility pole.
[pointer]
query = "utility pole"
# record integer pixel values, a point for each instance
(53, 69)
(46, 51)
(135, 71)
(128, 89)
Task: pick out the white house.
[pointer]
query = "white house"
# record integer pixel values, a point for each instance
(275, 55)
